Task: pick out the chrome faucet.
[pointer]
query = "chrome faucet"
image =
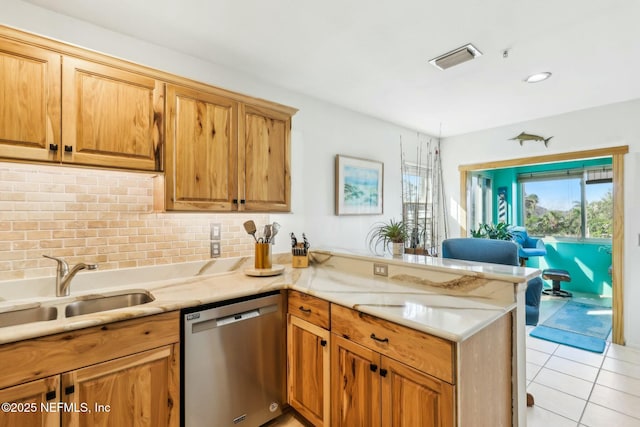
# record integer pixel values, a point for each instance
(64, 276)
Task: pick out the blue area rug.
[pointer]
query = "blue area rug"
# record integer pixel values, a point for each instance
(577, 325)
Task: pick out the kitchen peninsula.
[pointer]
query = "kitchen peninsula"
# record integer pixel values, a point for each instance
(457, 324)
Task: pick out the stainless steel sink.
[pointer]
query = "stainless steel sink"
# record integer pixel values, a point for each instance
(112, 302)
(27, 315)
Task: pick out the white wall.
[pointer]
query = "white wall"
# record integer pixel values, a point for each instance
(608, 126)
(320, 130)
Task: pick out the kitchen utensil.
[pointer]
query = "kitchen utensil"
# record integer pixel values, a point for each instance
(294, 241)
(306, 243)
(274, 230)
(250, 227)
(267, 233)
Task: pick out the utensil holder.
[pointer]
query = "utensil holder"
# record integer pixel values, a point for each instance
(263, 256)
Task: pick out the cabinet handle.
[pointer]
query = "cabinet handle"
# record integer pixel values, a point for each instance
(68, 148)
(374, 337)
(373, 367)
(323, 343)
(383, 372)
(69, 390)
(234, 201)
(53, 147)
(242, 201)
(304, 310)
(50, 395)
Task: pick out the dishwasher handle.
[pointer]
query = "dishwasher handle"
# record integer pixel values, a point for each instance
(233, 318)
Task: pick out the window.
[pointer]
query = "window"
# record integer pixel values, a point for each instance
(481, 206)
(568, 203)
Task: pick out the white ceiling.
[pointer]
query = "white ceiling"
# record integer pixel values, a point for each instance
(372, 56)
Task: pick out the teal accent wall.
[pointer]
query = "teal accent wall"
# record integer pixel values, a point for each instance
(508, 177)
(586, 261)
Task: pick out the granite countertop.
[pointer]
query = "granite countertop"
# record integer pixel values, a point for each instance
(452, 300)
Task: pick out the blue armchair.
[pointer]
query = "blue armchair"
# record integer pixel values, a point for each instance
(497, 252)
(527, 246)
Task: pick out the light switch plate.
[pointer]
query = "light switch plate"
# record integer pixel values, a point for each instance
(215, 249)
(216, 230)
(380, 269)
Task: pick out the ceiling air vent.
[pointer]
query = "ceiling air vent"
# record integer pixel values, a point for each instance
(455, 57)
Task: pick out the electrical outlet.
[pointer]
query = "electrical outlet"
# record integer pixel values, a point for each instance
(215, 249)
(380, 269)
(216, 230)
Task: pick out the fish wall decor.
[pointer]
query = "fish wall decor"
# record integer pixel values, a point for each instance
(529, 137)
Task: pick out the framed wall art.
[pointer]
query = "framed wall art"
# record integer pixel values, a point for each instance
(359, 186)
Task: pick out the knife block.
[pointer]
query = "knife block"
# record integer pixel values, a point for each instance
(300, 261)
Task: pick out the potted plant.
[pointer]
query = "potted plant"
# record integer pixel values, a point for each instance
(498, 231)
(388, 233)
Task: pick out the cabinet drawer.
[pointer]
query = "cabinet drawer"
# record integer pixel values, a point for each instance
(313, 310)
(419, 350)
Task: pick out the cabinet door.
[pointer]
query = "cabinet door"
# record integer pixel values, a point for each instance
(201, 165)
(30, 402)
(110, 117)
(411, 398)
(355, 384)
(308, 374)
(30, 100)
(134, 390)
(265, 157)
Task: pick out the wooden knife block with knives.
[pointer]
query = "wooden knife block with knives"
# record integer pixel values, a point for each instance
(299, 252)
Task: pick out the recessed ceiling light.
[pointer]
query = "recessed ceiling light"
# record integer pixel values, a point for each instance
(538, 77)
(457, 56)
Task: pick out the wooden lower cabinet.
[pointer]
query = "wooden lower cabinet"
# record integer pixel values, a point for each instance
(27, 404)
(120, 374)
(308, 370)
(369, 389)
(355, 384)
(412, 398)
(117, 392)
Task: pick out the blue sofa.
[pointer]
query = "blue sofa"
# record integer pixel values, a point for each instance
(497, 252)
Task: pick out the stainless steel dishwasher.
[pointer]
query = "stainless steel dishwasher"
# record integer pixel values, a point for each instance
(233, 362)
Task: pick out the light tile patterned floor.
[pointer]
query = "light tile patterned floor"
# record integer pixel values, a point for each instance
(579, 388)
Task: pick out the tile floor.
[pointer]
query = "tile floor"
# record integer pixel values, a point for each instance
(574, 387)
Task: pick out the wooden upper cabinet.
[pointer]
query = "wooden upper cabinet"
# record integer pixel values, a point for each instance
(201, 151)
(29, 102)
(110, 117)
(265, 155)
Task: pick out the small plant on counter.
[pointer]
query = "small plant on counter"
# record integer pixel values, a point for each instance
(498, 231)
(385, 233)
